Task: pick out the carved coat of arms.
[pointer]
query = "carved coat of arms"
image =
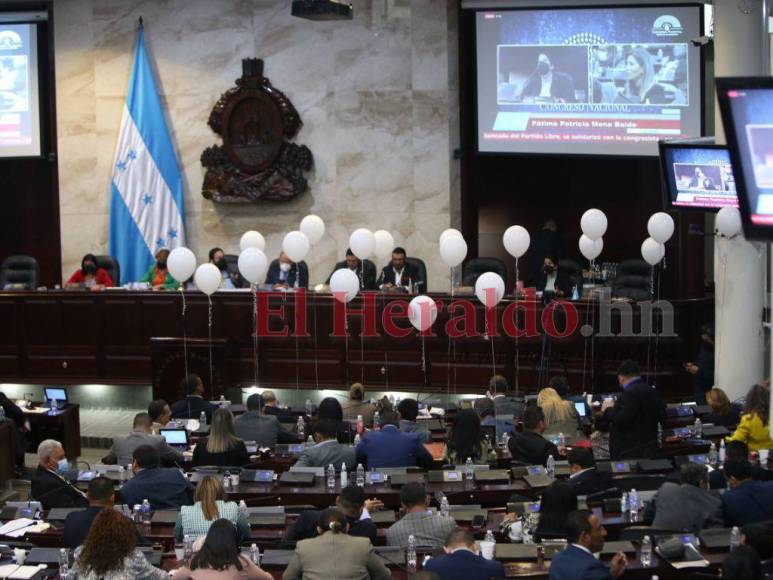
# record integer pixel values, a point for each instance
(256, 161)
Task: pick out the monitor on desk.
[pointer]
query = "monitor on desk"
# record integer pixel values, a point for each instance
(175, 437)
(57, 393)
(580, 407)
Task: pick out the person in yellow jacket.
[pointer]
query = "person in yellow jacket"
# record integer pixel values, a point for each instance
(754, 429)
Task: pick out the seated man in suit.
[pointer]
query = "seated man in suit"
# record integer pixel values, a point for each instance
(49, 486)
(327, 450)
(101, 495)
(428, 529)
(585, 478)
(461, 560)
(123, 447)
(747, 501)
(271, 407)
(160, 414)
(737, 450)
(283, 273)
(365, 270)
(164, 488)
(255, 425)
(585, 535)
(390, 447)
(398, 274)
(530, 446)
(688, 507)
(193, 404)
(552, 281)
(409, 411)
(352, 503)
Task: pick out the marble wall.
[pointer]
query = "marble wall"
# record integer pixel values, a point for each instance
(377, 95)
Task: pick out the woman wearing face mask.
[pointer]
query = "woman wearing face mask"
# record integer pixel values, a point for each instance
(553, 281)
(89, 275)
(158, 276)
(642, 85)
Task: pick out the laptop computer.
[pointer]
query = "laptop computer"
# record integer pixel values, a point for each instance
(57, 393)
(175, 438)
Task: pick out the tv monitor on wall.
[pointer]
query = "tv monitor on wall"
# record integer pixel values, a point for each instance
(604, 80)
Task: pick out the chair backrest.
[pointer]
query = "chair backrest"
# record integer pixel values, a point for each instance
(111, 266)
(633, 280)
(421, 267)
(477, 266)
(232, 265)
(20, 270)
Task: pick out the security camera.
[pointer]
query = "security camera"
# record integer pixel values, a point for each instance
(702, 41)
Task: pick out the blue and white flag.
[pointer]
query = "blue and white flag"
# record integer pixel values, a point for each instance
(147, 207)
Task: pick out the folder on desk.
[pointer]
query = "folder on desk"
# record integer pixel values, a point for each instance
(164, 517)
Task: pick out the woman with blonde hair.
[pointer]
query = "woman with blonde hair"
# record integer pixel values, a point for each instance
(222, 447)
(195, 520)
(560, 415)
(722, 411)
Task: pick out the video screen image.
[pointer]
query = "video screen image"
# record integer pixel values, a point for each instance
(700, 178)
(19, 106)
(588, 80)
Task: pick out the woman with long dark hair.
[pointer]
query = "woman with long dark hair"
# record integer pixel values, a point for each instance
(222, 447)
(219, 558)
(110, 552)
(467, 440)
(753, 428)
(89, 275)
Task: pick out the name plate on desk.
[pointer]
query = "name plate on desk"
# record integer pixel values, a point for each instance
(399, 479)
(258, 475)
(493, 476)
(445, 476)
(375, 477)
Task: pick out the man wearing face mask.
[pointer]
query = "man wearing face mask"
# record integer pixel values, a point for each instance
(49, 486)
(547, 84)
(365, 270)
(284, 273)
(89, 276)
(552, 281)
(217, 257)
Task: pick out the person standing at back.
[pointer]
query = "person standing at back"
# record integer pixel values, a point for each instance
(634, 418)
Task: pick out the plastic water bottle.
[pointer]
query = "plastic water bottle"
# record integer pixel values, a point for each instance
(202, 419)
(697, 428)
(722, 452)
(227, 480)
(243, 511)
(64, 562)
(360, 477)
(445, 509)
(561, 440)
(187, 548)
(633, 504)
(359, 426)
(713, 454)
(310, 441)
(735, 537)
(575, 293)
(410, 555)
(490, 538)
(357, 439)
(645, 554)
(54, 406)
(624, 504)
(660, 434)
(376, 421)
(469, 469)
(331, 476)
(137, 513)
(505, 439)
(121, 473)
(255, 554)
(344, 476)
(301, 428)
(309, 408)
(146, 511)
(550, 465)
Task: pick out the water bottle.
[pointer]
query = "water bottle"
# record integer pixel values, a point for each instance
(550, 465)
(624, 504)
(146, 511)
(301, 428)
(202, 419)
(561, 440)
(64, 562)
(54, 406)
(243, 511)
(645, 554)
(309, 408)
(255, 554)
(410, 555)
(357, 439)
(575, 293)
(698, 428)
(331, 476)
(490, 538)
(360, 477)
(121, 474)
(376, 421)
(660, 434)
(722, 452)
(344, 476)
(735, 537)
(359, 425)
(310, 441)
(137, 513)
(713, 454)
(187, 548)
(633, 504)
(505, 439)
(227, 480)
(445, 509)
(469, 469)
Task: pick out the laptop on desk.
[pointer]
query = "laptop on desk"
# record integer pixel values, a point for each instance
(175, 438)
(56, 393)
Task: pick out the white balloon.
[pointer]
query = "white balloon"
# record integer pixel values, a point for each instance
(422, 312)
(489, 281)
(652, 251)
(385, 243)
(453, 250)
(207, 278)
(728, 222)
(313, 227)
(591, 248)
(344, 284)
(516, 241)
(253, 265)
(296, 245)
(252, 239)
(362, 243)
(181, 264)
(594, 223)
(660, 227)
(447, 233)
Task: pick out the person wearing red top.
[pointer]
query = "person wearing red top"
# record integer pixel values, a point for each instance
(89, 275)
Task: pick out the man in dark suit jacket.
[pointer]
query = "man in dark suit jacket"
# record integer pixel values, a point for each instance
(351, 502)
(585, 478)
(399, 274)
(747, 501)
(633, 419)
(585, 535)
(530, 446)
(255, 425)
(553, 280)
(193, 404)
(558, 86)
(365, 270)
(284, 273)
(164, 488)
(101, 495)
(461, 560)
(390, 447)
(49, 486)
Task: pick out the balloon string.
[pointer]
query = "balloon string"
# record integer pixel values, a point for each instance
(423, 358)
(185, 330)
(386, 352)
(211, 365)
(491, 338)
(255, 331)
(517, 350)
(346, 343)
(657, 330)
